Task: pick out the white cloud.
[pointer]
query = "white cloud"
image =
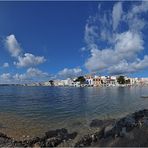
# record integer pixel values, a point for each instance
(34, 72)
(70, 73)
(5, 65)
(117, 14)
(24, 60)
(125, 67)
(121, 54)
(29, 60)
(122, 48)
(127, 46)
(133, 17)
(31, 75)
(5, 78)
(128, 42)
(138, 8)
(13, 46)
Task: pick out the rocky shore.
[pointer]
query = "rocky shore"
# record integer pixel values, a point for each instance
(131, 130)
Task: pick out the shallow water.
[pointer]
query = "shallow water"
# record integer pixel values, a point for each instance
(34, 110)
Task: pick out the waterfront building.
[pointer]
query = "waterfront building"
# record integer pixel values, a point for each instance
(104, 81)
(134, 81)
(47, 83)
(113, 81)
(143, 81)
(97, 81)
(76, 84)
(68, 82)
(89, 80)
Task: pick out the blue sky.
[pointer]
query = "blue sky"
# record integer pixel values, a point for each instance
(44, 40)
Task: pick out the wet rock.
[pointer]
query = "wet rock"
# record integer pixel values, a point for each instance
(3, 135)
(128, 122)
(6, 142)
(108, 131)
(36, 145)
(96, 123)
(85, 141)
(62, 133)
(138, 115)
(58, 132)
(53, 142)
(18, 144)
(88, 140)
(72, 135)
(51, 133)
(145, 112)
(39, 144)
(100, 134)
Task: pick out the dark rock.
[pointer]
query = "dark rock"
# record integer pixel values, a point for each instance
(6, 142)
(100, 134)
(138, 115)
(108, 131)
(85, 141)
(39, 144)
(101, 123)
(3, 135)
(63, 133)
(72, 135)
(145, 112)
(58, 132)
(51, 133)
(96, 123)
(53, 142)
(18, 144)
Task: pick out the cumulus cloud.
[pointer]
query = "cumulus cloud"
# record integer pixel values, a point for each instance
(70, 73)
(5, 76)
(13, 46)
(124, 66)
(34, 72)
(5, 65)
(29, 60)
(31, 75)
(122, 46)
(24, 59)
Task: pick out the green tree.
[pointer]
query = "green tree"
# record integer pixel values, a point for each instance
(121, 80)
(51, 82)
(80, 79)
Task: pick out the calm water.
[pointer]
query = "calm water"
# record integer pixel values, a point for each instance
(34, 110)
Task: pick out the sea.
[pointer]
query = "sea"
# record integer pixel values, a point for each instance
(27, 112)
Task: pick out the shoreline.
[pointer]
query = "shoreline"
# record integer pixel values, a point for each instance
(117, 132)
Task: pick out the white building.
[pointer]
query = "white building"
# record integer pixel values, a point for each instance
(89, 80)
(46, 83)
(143, 81)
(68, 82)
(113, 81)
(134, 81)
(76, 84)
(104, 80)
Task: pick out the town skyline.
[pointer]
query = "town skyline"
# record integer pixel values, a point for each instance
(40, 41)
